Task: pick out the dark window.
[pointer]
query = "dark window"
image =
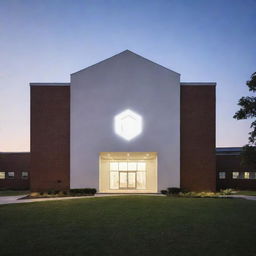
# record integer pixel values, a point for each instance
(24, 175)
(222, 175)
(10, 175)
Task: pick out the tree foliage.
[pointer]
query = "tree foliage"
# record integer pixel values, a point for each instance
(248, 109)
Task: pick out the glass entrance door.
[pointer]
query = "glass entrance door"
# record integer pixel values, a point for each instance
(123, 179)
(131, 180)
(127, 180)
(127, 174)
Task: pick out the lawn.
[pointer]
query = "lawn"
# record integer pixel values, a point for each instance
(13, 192)
(129, 225)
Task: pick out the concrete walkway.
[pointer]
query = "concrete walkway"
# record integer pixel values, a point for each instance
(243, 197)
(16, 200)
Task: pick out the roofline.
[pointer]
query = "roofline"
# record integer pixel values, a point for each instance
(49, 84)
(198, 84)
(229, 151)
(11, 152)
(229, 148)
(121, 53)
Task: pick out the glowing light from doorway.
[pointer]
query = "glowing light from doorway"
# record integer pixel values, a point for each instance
(128, 124)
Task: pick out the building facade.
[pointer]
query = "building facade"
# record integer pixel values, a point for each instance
(126, 125)
(14, 170)
(230, 171)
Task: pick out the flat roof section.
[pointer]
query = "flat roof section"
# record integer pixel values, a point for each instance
(198, 84)
(49, 84)
(229, 151)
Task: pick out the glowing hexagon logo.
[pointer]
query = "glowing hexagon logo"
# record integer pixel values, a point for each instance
(128, 124)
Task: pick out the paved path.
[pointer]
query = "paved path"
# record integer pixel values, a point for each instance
(243, 197)
(16, 200)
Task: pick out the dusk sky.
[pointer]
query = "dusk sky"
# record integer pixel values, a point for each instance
(203, 40)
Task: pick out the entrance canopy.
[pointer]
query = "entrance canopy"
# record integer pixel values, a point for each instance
(128, 172)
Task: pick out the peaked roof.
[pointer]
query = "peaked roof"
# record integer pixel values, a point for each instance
(126, 52)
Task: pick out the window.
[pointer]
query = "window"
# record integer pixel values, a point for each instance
(2, 175)
(10, 175)
(253, 175)
(246, 175)
(127, 174)
(141, 180)
(141, 166)
(114, 166)
(24, 175)
(114, 180)
(132, 166)
(222, 175)
(235, 175)
(122, 166)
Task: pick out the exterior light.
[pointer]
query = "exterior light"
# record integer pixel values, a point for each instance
(128, 124)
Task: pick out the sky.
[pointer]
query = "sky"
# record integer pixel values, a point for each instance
(203, 40)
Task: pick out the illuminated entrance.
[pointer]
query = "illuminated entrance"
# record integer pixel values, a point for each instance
(128, 172)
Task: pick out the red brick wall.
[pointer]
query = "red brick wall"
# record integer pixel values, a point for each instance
(15, 162)
(198, 162)
(229, 164)
(50, 138)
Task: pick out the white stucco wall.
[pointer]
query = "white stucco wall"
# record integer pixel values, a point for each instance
(103, 90)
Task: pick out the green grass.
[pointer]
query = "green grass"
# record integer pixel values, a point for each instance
(13, 192)
(129, 225)
(246, 193)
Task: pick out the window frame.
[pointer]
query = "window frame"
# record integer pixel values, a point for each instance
(222, 177)
(238, 175)
(4, 175)
(10, 177)
(24, 177)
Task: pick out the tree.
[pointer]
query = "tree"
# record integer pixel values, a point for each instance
(248, 110)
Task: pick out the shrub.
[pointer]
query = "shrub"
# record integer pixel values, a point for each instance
(34, 194)
(200, 194)
(83, 191)
(173, 191)
(164, 192)
(227, 191)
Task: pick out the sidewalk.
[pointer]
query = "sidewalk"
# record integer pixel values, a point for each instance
(243, 197)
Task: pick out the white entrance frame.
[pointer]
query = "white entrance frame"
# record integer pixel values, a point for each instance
(151, 171)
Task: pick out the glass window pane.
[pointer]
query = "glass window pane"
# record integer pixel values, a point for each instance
(246, 175)
(132, 166)
(131, 180)
(122, 166)
(235, 175)
(141, 180)
(2, 175)
(10, 175)
(123, 179)
(141, 166)
(113, 166)
(222, 175)
(253, 175)
(24, 174)
(114, 180)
